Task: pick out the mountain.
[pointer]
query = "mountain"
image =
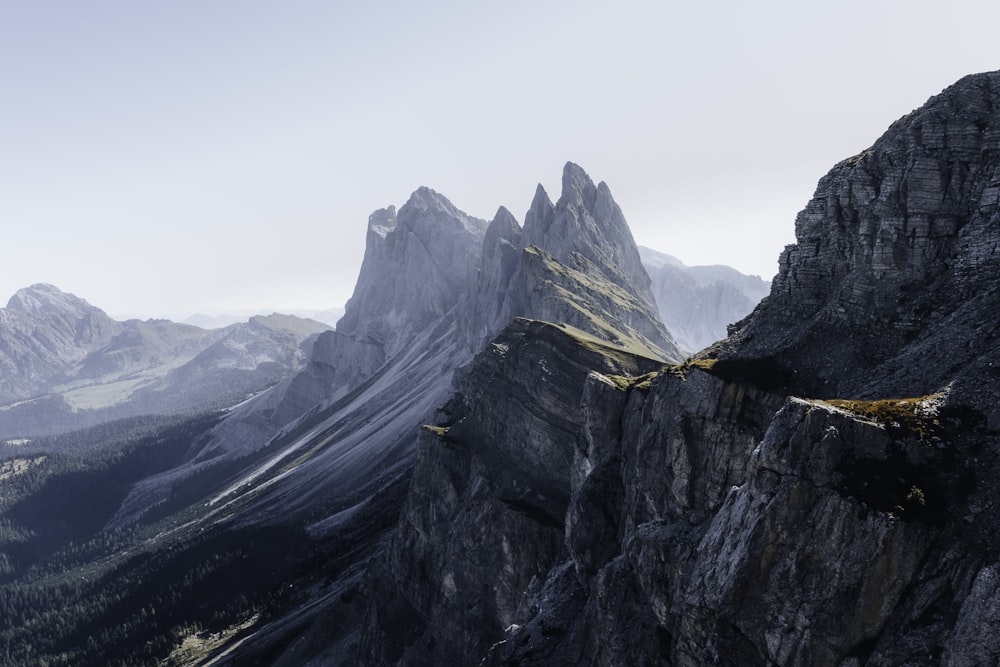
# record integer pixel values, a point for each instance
(501, 457)
(324, 458)
(697, 303)
(816, 489)
(43, 331)
(67, 365)
(327, 316)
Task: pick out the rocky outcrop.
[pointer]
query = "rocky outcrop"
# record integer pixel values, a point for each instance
(698, 303)
(484, 515)
(894, 258)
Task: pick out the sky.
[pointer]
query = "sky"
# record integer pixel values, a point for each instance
(163, 158)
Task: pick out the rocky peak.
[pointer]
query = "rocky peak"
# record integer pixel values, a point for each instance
(45, 331)
(587, 223)
(382, 221)
(45, 298)
(416, 265)
(574, 262)
(894, 257)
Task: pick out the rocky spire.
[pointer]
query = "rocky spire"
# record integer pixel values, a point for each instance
(586, 222)
(574, 262)
(417, 264)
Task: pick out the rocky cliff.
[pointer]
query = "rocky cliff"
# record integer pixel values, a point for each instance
(815, 490)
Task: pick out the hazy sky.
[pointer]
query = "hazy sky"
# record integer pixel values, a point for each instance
(164, 158)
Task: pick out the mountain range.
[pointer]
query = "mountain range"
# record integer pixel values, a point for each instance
(65, 364)
(501, 456)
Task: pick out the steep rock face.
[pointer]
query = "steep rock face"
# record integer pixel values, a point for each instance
(328, 448)
(574, 262)
(484, 515)
(417, 267)
(697, 303)
(895, 255)
(417, 264)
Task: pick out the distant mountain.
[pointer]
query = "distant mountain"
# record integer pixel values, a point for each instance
(65, 364)
(697, 303)
(328, 316)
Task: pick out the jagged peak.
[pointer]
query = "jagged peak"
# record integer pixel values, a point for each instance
(504, 225)
(426, 204)
(541, 212)
(577, 187)
(424, 198)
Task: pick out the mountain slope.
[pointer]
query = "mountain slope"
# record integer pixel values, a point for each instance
(697, 303)
(43, 331)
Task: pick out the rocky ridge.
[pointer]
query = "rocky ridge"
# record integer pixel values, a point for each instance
(573, 262)
(345, 426)
(713, 517)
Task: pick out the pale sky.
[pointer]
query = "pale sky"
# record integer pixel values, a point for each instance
(161, 158)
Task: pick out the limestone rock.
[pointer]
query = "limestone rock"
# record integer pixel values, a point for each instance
(894, 260)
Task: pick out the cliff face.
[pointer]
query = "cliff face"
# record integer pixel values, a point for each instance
(894, 259)
(707, 515)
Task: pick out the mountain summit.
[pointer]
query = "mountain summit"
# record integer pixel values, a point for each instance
(574, 262)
